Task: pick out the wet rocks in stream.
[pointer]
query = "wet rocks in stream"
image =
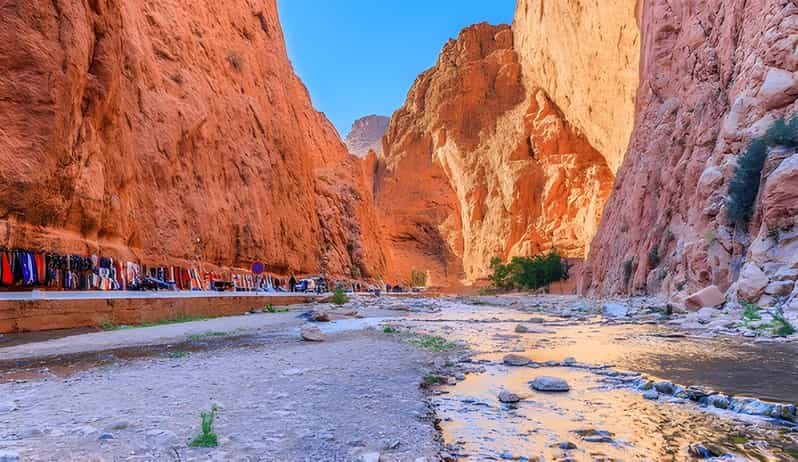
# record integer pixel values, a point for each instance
(549, 384)
(516, 360)
(508, 397)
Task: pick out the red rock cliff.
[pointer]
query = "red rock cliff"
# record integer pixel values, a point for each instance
(478, 164)
(171, 130)
(714, 74)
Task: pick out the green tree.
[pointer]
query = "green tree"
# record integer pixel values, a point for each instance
(529, 273)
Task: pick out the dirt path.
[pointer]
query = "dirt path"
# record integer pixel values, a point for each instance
(282, 399)
(172, 333)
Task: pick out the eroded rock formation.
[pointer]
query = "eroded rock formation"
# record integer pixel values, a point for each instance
(481, 163)
(714, 75)
(366, 135)
(171, 131)
(585, 54)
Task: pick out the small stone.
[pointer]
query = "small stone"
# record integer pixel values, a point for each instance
(460, 376)
(567, 446)
(652, 395)
(311, 334)
(569, 361)
(508, 397)
(106, 436)
(719, 401)
(320, 316)
(516, 360)
(550, 384)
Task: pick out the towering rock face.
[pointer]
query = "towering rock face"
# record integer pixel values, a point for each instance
(366, 135)
(585, 54)
(477, 164)
(171, 131)
(714, 75)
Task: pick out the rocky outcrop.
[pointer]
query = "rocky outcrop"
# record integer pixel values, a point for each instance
(713, 76)
(172, 131)
(585, 55)
(366, 135)
(479, 164)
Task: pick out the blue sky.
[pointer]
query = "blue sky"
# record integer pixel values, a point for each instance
(360, 57)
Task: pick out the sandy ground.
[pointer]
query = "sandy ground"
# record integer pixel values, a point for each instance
(282, 399)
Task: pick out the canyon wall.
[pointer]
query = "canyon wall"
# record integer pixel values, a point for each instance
(714, 75)
(172, 131)
(481, 163)
(585, 54)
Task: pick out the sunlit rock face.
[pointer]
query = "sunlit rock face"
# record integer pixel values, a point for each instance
(168, 131)
(366, 135)
(477, 163)
(585, 54)
(714, 74)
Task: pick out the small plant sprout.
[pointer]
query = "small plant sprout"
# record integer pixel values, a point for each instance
(207, 439)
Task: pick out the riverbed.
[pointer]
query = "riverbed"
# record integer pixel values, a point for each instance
(358, 393)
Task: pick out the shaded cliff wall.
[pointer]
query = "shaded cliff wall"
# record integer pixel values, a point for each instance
(171, 131)
(714, 75)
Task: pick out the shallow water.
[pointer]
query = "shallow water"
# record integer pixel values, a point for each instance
(481, 428)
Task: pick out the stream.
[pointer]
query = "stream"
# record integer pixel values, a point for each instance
(598, 419)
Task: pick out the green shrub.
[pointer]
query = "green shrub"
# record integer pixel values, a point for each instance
(653, 257)
(783, 133)
(418, 278)
(207, 439)
(751, 312)
(782, 327)
(339, 297)
(434, 343)
(628, 270)
(528, 273)
(744, 185)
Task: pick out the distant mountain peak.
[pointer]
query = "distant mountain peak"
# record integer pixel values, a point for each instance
(366, 134)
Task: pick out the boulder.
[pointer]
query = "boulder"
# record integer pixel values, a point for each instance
(311, 334)
(508, 397)
(779, 88)
(614, 310)
(549, 384)
(752, 282)
(707, 297)
(516, 360)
